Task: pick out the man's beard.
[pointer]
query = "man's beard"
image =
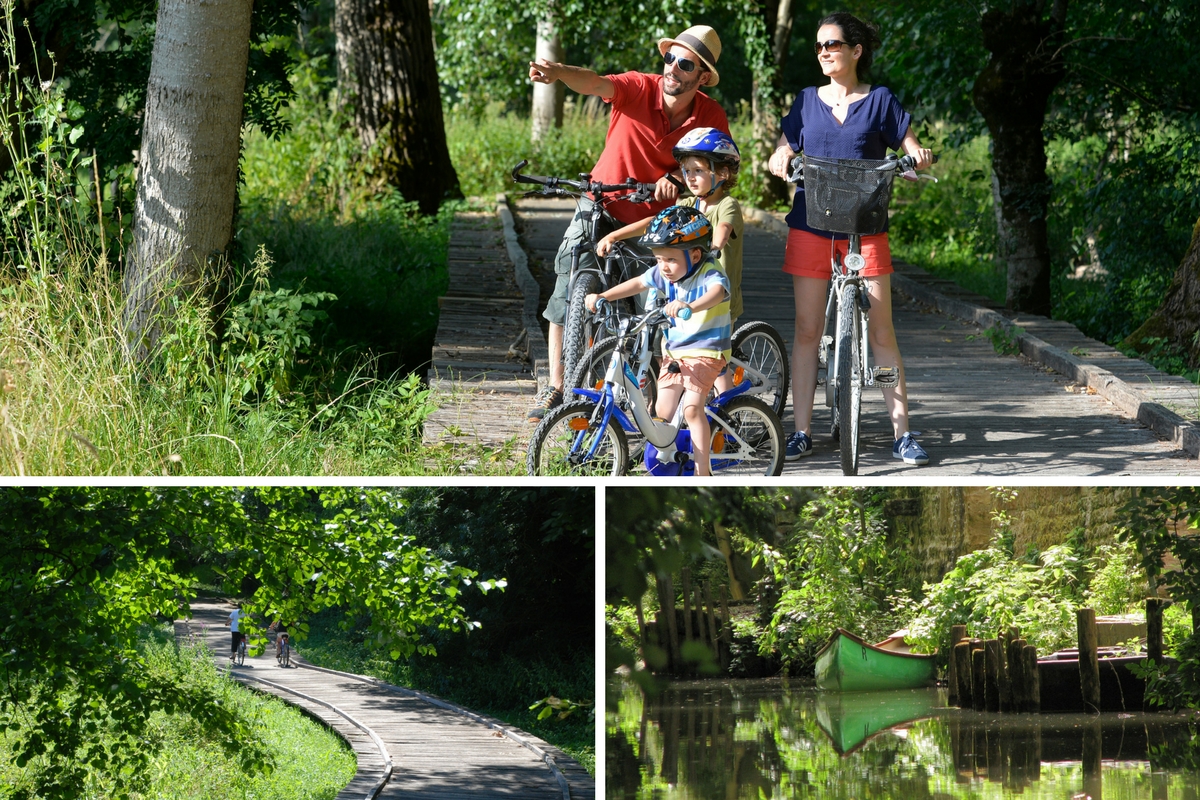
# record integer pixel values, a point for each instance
(683, 87)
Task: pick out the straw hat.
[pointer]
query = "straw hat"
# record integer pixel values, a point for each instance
(701, 40)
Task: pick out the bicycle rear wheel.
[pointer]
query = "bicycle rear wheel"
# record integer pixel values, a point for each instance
(241, 652)
(561, 443)
(578, 328)
(763, 354)
(285, 655)
(849, 377)
(761, 445)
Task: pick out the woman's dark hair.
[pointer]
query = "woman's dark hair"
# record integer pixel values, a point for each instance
(855, 31)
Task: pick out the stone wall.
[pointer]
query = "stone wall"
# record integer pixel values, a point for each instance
(941, 523)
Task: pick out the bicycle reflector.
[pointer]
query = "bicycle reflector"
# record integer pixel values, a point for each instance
(578, 424)
(718, 442)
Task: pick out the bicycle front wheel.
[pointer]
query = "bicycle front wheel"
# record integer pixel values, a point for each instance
(578, 328)
(761, 352)
(562, 441)
(747, 439)
(589, 374)
(849, 377)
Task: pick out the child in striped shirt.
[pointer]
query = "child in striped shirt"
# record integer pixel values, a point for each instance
(697, 348)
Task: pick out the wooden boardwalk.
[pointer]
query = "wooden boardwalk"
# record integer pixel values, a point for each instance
(483, 370)
(979, 413)
(408, 745)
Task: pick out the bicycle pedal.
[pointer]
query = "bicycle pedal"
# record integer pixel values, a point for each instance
(885, 376)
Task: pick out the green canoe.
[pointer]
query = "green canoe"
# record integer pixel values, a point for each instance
(848, 664)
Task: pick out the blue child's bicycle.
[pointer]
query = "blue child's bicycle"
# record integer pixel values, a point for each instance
(590, 436)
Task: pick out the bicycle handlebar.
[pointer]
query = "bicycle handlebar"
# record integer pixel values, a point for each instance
(902, 164)
(637, 192)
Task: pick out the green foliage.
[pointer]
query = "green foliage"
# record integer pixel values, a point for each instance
(833, 570)
(1117, 585)
(85, 568)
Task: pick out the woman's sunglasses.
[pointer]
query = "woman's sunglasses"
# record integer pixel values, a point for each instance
(685, 64)
(832, 45)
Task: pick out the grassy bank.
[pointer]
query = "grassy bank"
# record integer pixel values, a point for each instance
(503, 687)
(308, 761)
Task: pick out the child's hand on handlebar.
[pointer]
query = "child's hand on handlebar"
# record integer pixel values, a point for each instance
(592, 300)
(676, 308)
(604, 246)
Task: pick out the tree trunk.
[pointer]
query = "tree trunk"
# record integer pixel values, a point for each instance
(766, 31)
(188, 161)
(1178, 318)
(1011, 93)
(547, 110)
(399, 106)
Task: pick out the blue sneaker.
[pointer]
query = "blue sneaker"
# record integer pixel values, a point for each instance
(799, 444)
(906, 448)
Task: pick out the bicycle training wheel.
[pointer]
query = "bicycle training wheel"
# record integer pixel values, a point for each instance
(760, 352)
(747, 439)
(562, 441)
(578, 329)
(849, 377)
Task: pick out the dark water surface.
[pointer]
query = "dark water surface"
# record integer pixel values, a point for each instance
(746, 740)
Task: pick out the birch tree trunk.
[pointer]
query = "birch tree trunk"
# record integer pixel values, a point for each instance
(188, 161)
(399, 105)
(547, 110)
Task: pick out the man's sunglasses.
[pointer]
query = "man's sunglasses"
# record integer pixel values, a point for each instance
(832, 45)
(685, 64)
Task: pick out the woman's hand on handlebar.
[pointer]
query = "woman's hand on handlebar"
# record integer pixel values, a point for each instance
(780, 160)
(923, 157)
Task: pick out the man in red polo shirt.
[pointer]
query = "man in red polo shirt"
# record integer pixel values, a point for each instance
(650, 113)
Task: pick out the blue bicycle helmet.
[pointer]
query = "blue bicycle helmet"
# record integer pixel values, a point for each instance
(717, 146)
(681, 228)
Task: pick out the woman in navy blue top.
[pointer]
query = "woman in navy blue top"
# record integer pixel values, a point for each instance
(847, 118)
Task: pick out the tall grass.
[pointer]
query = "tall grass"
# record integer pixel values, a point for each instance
(250, 378)
(308, 761)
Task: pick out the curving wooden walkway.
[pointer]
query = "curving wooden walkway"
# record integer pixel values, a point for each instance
(409, 745)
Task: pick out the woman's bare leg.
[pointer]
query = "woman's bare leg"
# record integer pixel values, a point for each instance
(810, 296)
(886, 353)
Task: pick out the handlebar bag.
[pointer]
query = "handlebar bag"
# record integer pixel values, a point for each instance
(847, 195)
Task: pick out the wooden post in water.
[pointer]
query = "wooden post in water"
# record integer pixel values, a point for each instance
(1154, 629)
(978, 680)
(1089, 663)
(726, 629)
(1092, 753)
(1016, 674)
(957, 634)
(667, 592)
(962, 671)
(700, 637)
(686, 575)
(712, 622)
(1033, 681)
(1003, 687)
(991, 688)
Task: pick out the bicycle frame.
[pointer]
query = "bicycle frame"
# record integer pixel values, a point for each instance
(621, 376)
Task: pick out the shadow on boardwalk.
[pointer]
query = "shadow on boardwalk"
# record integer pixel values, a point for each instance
(433, 750)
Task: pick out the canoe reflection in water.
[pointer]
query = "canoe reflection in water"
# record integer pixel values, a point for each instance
(746, 740)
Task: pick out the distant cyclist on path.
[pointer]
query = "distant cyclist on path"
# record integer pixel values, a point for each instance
(650, 113)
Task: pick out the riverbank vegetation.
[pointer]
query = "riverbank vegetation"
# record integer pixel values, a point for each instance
(798, 563)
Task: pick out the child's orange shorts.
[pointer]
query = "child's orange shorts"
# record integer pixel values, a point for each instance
(810, 256)
(696, 374)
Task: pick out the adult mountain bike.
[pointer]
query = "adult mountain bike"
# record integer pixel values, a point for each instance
(849, 196)
(591, 275)
(590, 436)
